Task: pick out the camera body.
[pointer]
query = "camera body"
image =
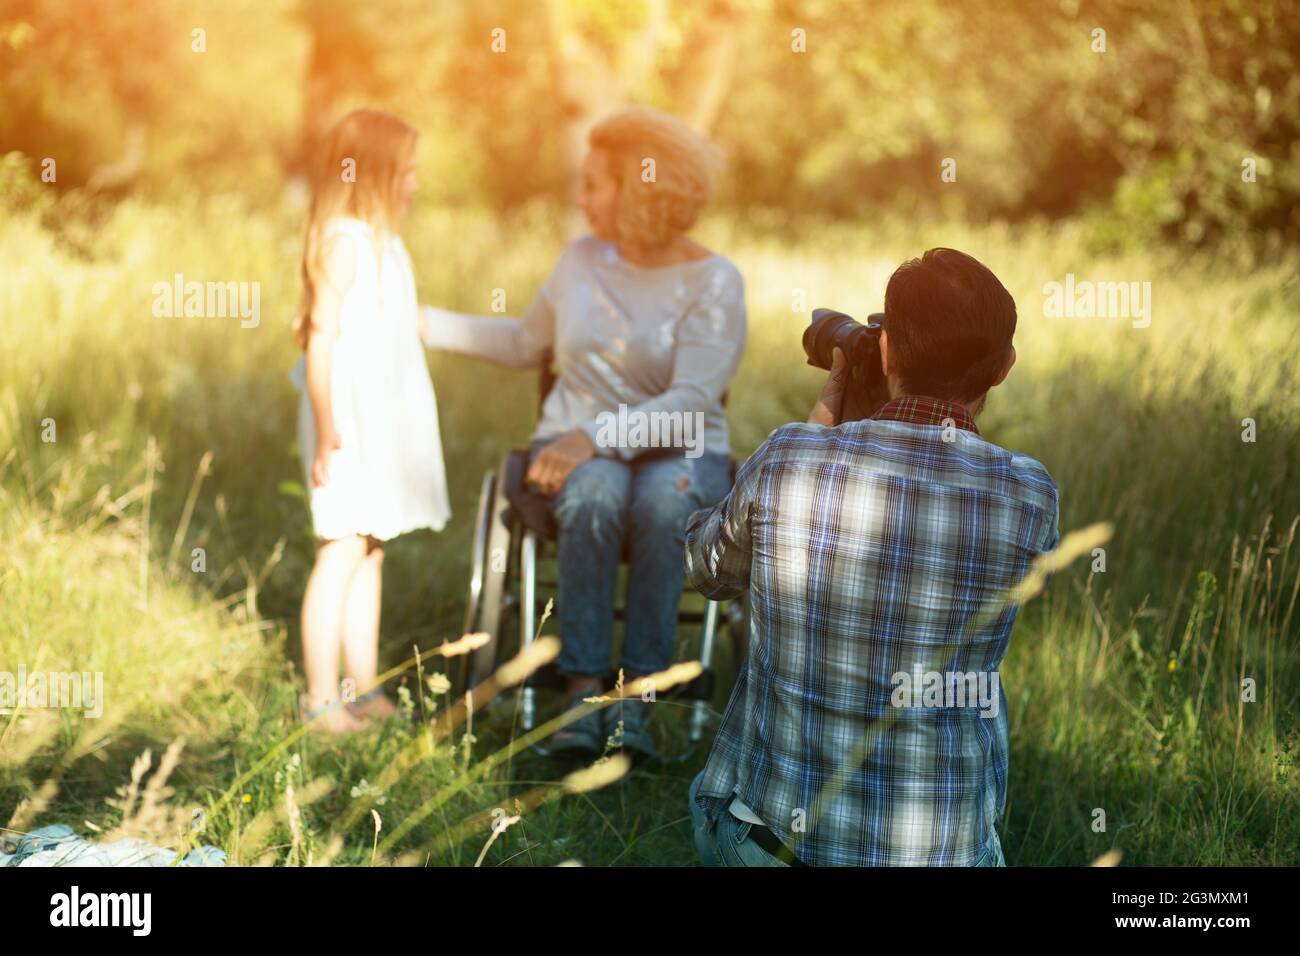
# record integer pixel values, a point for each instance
(861, 346)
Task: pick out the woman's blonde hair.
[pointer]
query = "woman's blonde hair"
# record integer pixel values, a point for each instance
(661, 200)
(357, 172)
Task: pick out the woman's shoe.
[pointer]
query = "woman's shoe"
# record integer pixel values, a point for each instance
(583, 737)
(634, 736)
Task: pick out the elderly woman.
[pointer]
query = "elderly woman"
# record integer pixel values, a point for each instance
(647, 327)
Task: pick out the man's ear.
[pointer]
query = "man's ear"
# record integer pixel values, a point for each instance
(1006, 369)
(885, 367)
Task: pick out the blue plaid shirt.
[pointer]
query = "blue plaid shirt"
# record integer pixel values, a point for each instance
(870, 550)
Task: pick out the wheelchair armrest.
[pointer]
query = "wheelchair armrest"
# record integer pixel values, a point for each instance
(527, 504)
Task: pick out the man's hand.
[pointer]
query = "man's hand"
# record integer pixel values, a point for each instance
(831, 401)
(845, 397)
(554, 463)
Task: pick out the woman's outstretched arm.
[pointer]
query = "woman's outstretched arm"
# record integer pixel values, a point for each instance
(515, 343)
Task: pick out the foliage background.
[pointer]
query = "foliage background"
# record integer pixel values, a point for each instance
(1149, 135)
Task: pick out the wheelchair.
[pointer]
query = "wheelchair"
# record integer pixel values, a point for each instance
(514, 534)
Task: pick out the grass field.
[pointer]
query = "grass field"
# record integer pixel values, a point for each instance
(1125, 685)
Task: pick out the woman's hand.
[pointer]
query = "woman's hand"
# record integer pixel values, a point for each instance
(554, 463)
(426, 313)
(326, 445)
(429, 317)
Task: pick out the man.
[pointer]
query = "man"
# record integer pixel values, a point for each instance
(877, 554)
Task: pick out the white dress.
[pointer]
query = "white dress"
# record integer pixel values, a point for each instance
(387, 477)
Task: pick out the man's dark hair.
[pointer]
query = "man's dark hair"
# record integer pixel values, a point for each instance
(950, 323)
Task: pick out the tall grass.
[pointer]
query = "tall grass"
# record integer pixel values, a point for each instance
(1125, 683)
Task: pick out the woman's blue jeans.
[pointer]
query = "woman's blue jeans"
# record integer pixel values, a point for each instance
(608, 506)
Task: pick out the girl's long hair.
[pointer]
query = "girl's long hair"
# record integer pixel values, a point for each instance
(357, 172)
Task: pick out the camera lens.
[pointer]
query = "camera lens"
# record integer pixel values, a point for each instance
(827, 331)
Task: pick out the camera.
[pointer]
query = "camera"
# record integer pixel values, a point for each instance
(860, 343)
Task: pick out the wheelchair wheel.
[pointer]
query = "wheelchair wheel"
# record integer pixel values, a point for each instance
(489, 566)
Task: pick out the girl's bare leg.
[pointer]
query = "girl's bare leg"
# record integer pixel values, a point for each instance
(323, 609)
(361, 629)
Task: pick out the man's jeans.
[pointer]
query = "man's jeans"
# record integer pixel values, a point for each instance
(727, 843)
(647, 502)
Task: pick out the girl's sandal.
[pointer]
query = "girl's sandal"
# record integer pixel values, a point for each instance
(333, 718)
(372, 706)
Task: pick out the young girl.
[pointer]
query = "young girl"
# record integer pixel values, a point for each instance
(368, 419)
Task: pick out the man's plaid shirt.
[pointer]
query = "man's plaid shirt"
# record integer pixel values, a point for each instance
(876, 547)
